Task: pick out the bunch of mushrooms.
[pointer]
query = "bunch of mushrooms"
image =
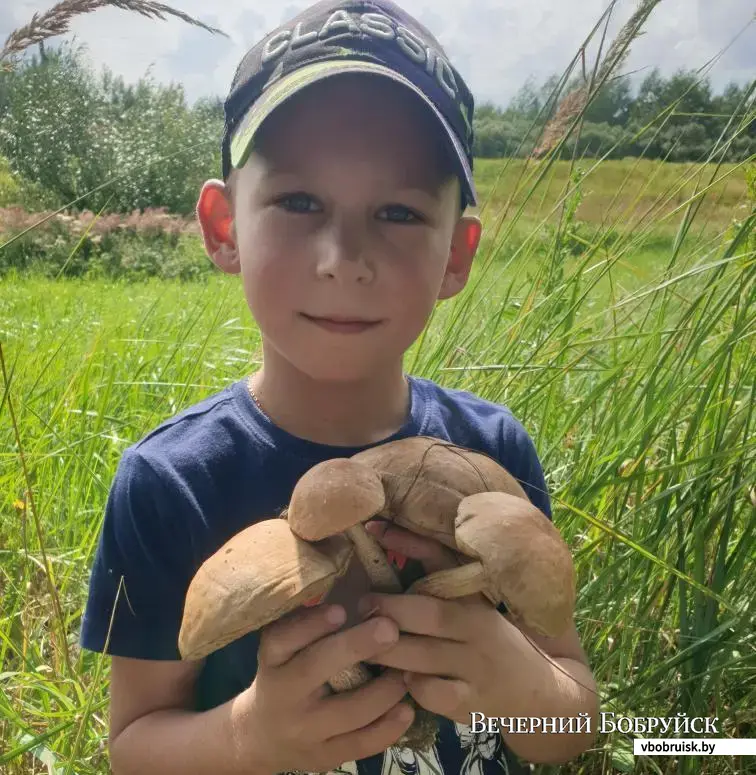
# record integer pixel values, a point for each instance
(508, 550)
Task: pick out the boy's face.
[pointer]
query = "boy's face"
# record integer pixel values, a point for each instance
(345, 210)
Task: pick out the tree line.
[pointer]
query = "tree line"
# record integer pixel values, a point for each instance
(67, 130)
(677, 119)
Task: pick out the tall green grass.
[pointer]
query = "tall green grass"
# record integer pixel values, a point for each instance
(623, 342)
(640, 402)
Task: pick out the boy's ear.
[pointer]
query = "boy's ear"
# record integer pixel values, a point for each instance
(464, 246)
(216, 219)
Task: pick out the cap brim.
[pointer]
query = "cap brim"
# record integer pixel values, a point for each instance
(242, 140)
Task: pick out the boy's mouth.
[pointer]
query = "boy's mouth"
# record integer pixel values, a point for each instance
(343, 325)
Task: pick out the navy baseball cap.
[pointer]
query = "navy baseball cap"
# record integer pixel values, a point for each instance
(350, 36)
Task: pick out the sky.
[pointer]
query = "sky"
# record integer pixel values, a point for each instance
(496, 44)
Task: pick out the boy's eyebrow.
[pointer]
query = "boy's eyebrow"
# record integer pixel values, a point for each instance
(431, 192)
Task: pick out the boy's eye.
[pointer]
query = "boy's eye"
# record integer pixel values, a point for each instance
(298, 202)
(400, 214)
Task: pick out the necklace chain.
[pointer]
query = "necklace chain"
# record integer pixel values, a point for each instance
(253, 396)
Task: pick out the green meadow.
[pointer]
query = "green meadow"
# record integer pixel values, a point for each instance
(611, 309)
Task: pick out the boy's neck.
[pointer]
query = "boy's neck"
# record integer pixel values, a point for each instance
(337, 413)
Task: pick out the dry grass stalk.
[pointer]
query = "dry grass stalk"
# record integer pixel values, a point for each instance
(574, 103)
(56, 20)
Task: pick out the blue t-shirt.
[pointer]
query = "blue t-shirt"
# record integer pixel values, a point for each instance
(204, 475)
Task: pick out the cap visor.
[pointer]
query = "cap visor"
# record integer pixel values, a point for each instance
(242, 140)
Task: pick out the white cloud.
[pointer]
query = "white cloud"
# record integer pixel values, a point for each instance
(496, 44)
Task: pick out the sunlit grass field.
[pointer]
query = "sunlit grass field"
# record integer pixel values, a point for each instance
(613, 314)
(638, 191)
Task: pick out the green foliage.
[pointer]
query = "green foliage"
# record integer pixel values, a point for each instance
(610, 308)
(10, 189)
(636, 386)
(72, 132)
(676, 119)
(614, 194)
(497, 137)
(15, 190)
(138, 146)
(131, 257)
(134, 247)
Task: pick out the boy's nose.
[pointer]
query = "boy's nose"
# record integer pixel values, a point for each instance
(342, 254)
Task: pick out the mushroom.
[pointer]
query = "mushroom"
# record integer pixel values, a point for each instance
(511, 552)
(255, 578)
(520, 559)
(336, 497)
(425, 479)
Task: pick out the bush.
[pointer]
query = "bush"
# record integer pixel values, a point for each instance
(498, 137)
(133, 247)
(71, 132)
(15, 191)
(596, 140)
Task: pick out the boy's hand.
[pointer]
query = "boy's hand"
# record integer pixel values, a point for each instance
(458, 656)
(287, 720)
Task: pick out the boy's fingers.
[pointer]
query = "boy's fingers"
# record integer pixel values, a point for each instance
(427, 655)
(341, 713)
(426, 615)
(328, 657)
(283, 639)
(445, 696)
(373, 739)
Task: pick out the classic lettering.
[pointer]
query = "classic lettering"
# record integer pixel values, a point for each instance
(445, 77)
(339, 20)
(341, 24)
(681, 724)
(430, 61)
(377, 25)
(411, 46)
(298, 39)
(276, 45)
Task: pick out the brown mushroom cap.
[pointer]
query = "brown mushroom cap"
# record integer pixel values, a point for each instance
(333, 496)
(425, 479)
(337, 496)
(526, 561)
(256, 577)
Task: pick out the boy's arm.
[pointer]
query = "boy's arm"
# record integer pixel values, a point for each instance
(153, 729)
(558, 684)
(285, 720)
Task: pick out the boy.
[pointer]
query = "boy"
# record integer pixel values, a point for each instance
(343, 209)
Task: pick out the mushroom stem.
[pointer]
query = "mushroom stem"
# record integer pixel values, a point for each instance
(351, 678)
(468, 579)
(373, 558)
